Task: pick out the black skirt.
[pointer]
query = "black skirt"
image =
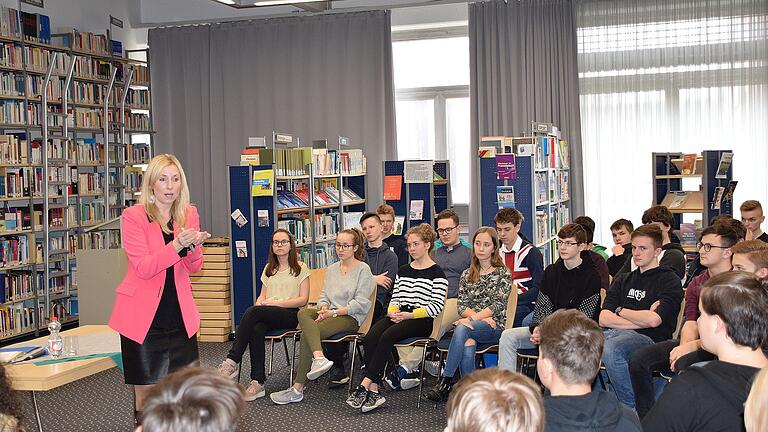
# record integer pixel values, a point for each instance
(163, 351)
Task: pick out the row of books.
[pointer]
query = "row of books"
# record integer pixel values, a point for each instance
(325, 254)
(291, 199)
(13, 112)
(109, 239)
(137, 121)
(16, 286)
(325, 162)
(17, 318)
(353, 162)
(84, 41)
(91, 213)
(15, 219)
(30, 26)
(133, 178)
(13, 149)
(541, 186)
(14, 250)
(11, 55)
(137, 154)
(298, 227)
(56, 149)
(138, 98)
(38, 59)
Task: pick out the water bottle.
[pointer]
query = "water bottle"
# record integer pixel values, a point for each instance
(54, 340)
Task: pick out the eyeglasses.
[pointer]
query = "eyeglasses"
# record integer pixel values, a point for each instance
(448, 230)
(412, 245)
(566, 243)
(343, 246)
(280, 242)
(708, 247)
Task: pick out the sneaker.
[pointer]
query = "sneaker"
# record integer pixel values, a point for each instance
(394, 377)
(254, 391)
(320, 366)
(228, 368)
(337, 377)
(373, 401)
(286, 396)
(432, 367)
(357, 398)
(410, 381)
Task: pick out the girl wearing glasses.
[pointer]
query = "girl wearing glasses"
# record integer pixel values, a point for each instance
(417, 298)
(342, 307)
(284, 289)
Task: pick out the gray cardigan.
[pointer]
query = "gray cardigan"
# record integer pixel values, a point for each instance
(353, 290)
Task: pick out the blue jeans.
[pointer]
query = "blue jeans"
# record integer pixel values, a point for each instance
(619, 346)
(513, 340)
(462, 357)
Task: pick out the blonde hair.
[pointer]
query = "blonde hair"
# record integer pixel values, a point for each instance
(756, 408)
(474, 266)
(495, 400)
(179, 207)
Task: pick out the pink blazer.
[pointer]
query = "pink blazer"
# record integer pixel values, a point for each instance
(138, 295)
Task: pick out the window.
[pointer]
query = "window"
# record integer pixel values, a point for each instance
(432, 89)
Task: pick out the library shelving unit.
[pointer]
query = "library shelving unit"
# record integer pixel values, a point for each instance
(435, 195)
(541, 186)
(54, 167)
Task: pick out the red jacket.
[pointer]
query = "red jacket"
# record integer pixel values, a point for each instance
(138, 295)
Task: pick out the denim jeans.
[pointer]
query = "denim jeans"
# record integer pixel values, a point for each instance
(619, 346)
(511, 341)
(462, 357)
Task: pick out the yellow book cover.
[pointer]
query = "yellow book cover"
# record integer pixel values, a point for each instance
(261, 183)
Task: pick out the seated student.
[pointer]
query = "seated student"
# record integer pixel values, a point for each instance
(734, 310)
(342, 306)
(453, 257)
(418, 298)
(522, 258)
(495, 400)
(715, 253)
(192, 399)
(672, 254)
(752, 217)
(589, 224)
(383, 264)
(695, 267)
(395, 242)
(570, 349)
(756, 408)
(622, 249)
(640, 308)
(483, 295)
(751, 256)
(10, 408)
(284, 289)
(597, 260)
(570, 283)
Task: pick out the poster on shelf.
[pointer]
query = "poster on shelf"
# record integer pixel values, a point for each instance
(505, 197)
(397, 226)
(393, 185)
(717, 198)
(261, 183)
(505, 167)
(417, 210)
(725, 163)
(417, 171)
(728, 194)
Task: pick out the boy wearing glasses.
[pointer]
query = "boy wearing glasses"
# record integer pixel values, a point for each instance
(752, 217)
(572, 282)
(640, 309)
(715, 253)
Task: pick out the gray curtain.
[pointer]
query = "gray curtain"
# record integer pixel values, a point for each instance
(523, 68)
(316, 77)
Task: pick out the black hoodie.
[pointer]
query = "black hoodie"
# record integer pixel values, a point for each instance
(382, 260)
(709, 398)
(595, 411)
(673, 258)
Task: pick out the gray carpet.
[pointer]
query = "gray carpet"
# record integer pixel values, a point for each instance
(103, 403)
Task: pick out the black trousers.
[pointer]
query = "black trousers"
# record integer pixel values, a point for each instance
(337, 352)
(382, 337)
(251, 332)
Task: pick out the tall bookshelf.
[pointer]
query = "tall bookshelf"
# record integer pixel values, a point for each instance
(436, 194)
(56, 176)
(541, 186)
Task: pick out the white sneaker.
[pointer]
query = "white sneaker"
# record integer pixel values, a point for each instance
(432, 367)
(320, 366)
(254, 391)
(286, 396)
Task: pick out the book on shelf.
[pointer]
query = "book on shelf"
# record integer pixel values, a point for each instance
(717, 198)
(353, 162)
(352, 219)
(683, 201)
(325, 161)
(729, 190)
(501, 144)
(505, 197)
(689, 164)
(397, 225)
(688, 234)
(725, 164)
(563, 151)
(393, 187)
(417, 210)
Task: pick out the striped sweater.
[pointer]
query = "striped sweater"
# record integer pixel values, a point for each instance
(421, 291)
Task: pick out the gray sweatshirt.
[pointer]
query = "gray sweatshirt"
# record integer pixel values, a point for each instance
(353, 290)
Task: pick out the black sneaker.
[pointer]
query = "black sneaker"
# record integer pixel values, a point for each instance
(394, 377)
(373, 401)
(337, 377)
(410, 381)
(357, 398)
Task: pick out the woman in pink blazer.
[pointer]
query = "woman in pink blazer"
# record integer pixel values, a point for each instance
(154, 311)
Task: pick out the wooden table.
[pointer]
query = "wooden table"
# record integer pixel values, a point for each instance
(32, 378)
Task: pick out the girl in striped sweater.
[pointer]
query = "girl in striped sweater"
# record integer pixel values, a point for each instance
(417, 298)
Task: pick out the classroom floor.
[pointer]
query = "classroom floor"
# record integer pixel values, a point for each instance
(102, 403)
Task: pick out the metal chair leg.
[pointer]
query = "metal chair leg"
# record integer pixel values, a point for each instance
(239, 370)
(352, 365)
(37, 411)
(271, 355)
(290, 375)
(287, 358)
(421, 375)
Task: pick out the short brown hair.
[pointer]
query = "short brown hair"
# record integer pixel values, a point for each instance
(626, 223)
(509, 215)
(195, 399)
(659, 213)
(448, 214)
(740, 299)
(732, 223)
(425, 233)
(588, 224)
(574, 231)
(651, 231)
(755, 250)
(750, 205)
(727, 235)
(385, 209)
(574, 344)
(495, 400)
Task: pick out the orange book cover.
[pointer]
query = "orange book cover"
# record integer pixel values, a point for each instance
(392, 187)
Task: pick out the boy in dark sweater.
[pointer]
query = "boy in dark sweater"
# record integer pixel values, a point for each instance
(570, 283)
(621, 230)
(734, 310)
(596, 254)
(569, 359)
(640, 308)
(672, 254)
(395, 242)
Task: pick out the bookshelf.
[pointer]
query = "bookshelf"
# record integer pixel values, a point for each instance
(62, 97)
(436, 195)
(541, 187)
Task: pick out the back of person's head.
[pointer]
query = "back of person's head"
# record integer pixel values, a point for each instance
(495, 400)
(625, 223)
(573, 343)
(756, 408)
(732, 223)
(10, 409)
(728, 236)
(589, 225)
(508, 215)
(659, 213)
(740, 301)
(193, 400)
(651, 231)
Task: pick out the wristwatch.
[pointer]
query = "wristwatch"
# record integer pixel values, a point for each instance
(618, 310)
(335, 313)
